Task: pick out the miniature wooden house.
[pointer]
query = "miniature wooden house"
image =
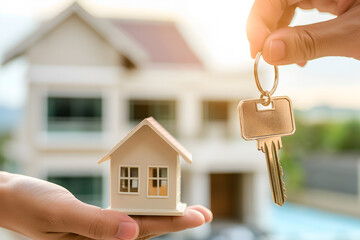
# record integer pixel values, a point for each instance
(145, 171)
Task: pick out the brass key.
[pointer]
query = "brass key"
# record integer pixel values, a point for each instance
(267, 126)
(267, 120)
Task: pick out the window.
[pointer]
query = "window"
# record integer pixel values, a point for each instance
(159, 109)
(215, 110)
(216, 119)
(71, 114)
(85, 188)
(158, 182)
(129, 180)
(163, 111)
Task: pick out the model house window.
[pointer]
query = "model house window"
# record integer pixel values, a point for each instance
(215, 111)
(129, 180)
(163, 111)
(71, 114)
(158, 182)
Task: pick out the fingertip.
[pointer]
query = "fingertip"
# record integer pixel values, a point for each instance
(277, 49)
(208, 215)
(302, 64)
(127, 231)
(257, 33)
(274, 51)
(128, 228)
(96, 223)
(266, 52)
(197, 219)
(136, 229)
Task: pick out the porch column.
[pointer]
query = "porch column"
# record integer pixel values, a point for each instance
(189, 115)
(257, 201)
(111, 115)
(199, 193)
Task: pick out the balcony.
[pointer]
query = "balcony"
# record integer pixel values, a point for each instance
(74, 124)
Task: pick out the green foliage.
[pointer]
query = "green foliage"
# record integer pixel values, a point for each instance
(3, 139)
(350, 139)
(293, 174)
(325, 137)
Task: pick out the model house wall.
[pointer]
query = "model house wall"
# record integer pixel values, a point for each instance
(144, 150)
(108, 84)
(145, 171)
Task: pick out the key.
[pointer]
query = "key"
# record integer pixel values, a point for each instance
(267, 126)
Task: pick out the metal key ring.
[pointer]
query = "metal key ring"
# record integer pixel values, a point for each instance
(276, 81)
(268, 101)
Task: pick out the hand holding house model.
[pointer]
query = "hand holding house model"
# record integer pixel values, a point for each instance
(145, 171)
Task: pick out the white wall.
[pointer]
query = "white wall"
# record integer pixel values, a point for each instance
(73, 42)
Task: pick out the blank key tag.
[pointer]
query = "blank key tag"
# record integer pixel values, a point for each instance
(258, 121)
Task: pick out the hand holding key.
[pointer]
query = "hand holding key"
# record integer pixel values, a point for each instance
(268, 30)
(267, 126)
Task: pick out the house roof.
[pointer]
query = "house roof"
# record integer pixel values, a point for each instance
(119, 40)
(157, 128)
(161, 40)
(139, 40)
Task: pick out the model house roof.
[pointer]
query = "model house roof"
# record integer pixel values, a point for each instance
(139, 40)
(157, 128)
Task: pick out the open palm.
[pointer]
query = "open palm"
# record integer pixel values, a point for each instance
(42, 210)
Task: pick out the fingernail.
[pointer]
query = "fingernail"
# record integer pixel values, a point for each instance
(127, 231)
(277, 50)
(302, 64)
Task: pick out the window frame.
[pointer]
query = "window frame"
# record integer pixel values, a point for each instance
(154, 108)
(207, 117)
(129, 178)
(66, 95)
(158, 179)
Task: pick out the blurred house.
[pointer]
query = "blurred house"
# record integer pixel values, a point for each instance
(91, 80)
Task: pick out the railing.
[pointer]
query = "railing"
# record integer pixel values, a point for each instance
(74, 124)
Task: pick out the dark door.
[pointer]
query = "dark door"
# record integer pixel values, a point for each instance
(226, 196)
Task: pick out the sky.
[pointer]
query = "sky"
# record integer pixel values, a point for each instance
(218, 30)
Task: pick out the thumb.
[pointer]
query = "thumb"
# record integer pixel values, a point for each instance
(337, 37)
(97, 223)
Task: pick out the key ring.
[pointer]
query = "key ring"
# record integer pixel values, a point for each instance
(276, 81)
(265, 94)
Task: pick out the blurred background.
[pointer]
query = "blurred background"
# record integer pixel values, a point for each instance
(75, 77)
